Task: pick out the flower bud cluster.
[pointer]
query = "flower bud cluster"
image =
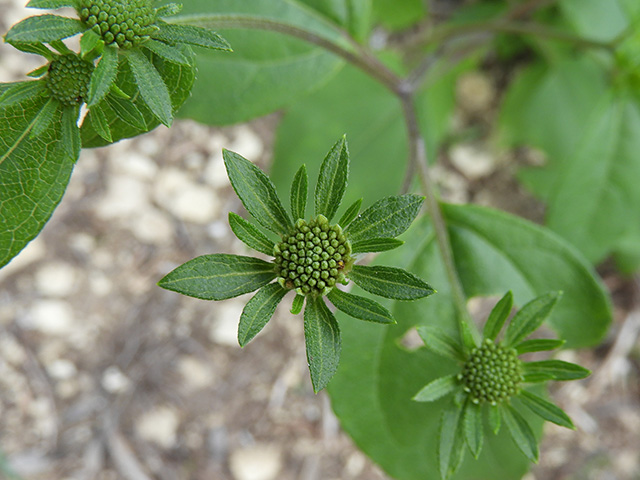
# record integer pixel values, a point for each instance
(68, 78)
(313, 258)
(492, 373)
(125, 22)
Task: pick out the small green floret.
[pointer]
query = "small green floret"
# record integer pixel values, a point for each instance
(68, 78)
(492, 373)
(125, 22)
(313, 257)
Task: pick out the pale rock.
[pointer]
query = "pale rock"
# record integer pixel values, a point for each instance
(125, 197)
(258, 462)
(56, 279)
(53, 317)
(114, 381)
(186, 199)
(247, 143)
(153, 226)
(100, 284)
(149, 145)
(83, 243)
(34, 251)
(224, 329)
(215, 173)
(195, 373)
(62, 369)
(475, 92)
(355, 464)
(453, 187)
(134, 164)
(159, 425)
(218, 229)
(471, 161)
(12, 351)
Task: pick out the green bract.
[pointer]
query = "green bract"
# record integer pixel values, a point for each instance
(491, 382)
(311, 257)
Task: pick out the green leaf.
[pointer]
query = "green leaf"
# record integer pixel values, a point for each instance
(495, 418)
(51, 4)
(332, 180)
(89, 42)
(19, 91)
(61, 47)
(167, 52)
(544, 409)
(375, 245)
(498, 316)
(350, 213)
(399, 14)
(219, 276)
(44, 118)
(152, 88)
(103, 76)
(441, 344)
(70, 133)
(437, 389)
(388, 217)
(127, 111)
(529, 318)
(34, 172)
(38, 72)
(298, 302)
(521, 432)
(596, 19)
(360, 307)
(169, 10)
(44, 29)
(299, 193)
(390, 282)
(250, 235)
(200, 37)
(473, 427)
(322, 337)
(257, 193)
(538, 345)
(451, 444)
(258, 311)
(556, 369)
(100, 123)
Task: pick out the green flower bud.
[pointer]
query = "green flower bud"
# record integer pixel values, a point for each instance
(68, 78)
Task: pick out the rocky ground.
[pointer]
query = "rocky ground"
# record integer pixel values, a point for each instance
(105, 376)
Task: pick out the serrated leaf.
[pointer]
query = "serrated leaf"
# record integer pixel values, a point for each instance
(350, 213)
(332, 180)
(257, 193)
(436, 389)
(45, 118)
(103, 76)
(529, 318)
(100, 123)
(126, 111)
(61, 47)
(375, 245)
(44, 29)
(556, 369)
(451, 441)
(498, 316)
(167, 52)
(35, 48)
(322, 338)
(38, 72)
(390, 282)
(521, 432)
(152, 88)
(219, 276)
(258, 311)
(545, 409)
(297, 304)
(89, 41)
(299, 188)
(538, 345)
(441, 344)
(388, 217)
(200, 37)
(250, 235)
(70, 133)
(495, 418)
(473, 427)
(360, 307)
(169, 9)
(51, 4)
(19, 91)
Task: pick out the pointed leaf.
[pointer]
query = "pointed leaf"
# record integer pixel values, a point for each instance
(126, 111)
(250, 235)
(436, 389)
(521, 432)
(258, 311)
(350, 213)
(257, 193)
(169, 9)
(498, 316)
(322, 337)
(538, 345)
(51, 4)
(556, 369)
(451, 441)
(495, 418)
(89, 41)
(100, 123)
(530, 317)
(298, 302)
(473, 428)
(219, 276)
(545, 409)
(332, 180)
(441, 344)
(36, 48)
(360, 307)
(167, 52)
(38, 72)
(390, 282)
(201, 37)
(44, 29)
(375, 245)
(152, 88)
(61, 47)
(388, 217)
(103, 76)
(299, 193)
(16, 92)
(70, 133)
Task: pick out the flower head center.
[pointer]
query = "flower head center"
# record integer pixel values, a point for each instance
(313, 257)
(125, 22)
(68, 78)
(492, 373)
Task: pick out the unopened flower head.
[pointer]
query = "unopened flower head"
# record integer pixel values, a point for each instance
(68, 78)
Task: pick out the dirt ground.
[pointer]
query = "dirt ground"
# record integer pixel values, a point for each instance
(105, 376)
